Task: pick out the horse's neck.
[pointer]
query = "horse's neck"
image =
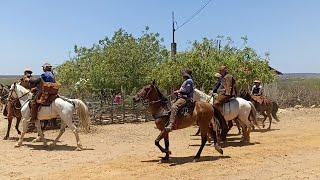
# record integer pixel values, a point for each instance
(23, 94)
(156, 108)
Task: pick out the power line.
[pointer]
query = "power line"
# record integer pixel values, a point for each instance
(193, 15)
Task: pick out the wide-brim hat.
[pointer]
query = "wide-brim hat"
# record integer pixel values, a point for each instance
(217, 75)
(46, 65)
(187, 73)
(257, 81)
(27, 70)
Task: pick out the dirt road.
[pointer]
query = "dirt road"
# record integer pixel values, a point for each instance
(291, 150)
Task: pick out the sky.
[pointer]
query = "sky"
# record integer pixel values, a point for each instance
(36, 31)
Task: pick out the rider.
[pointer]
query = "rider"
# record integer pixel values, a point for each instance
(225, 87)
(27, 75)
(184, 94)
(46, 76)
(257, 89)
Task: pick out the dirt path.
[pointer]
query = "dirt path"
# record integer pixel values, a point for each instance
(290, 151)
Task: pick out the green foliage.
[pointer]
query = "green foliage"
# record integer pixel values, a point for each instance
(125, 62)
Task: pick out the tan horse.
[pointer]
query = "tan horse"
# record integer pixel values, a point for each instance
(267, 108)
(202, 114)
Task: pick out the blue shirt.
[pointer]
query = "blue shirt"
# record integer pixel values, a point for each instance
(48, 77)
(186, 88)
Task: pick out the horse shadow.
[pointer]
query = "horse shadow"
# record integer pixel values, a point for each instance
(240, 144)
(28, 139)
(173, 161)
(264, 130)
(64, 147)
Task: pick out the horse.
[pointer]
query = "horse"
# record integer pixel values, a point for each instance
(60, 107)
(158, 106)
(268, 108)
(11, 110)
(236, 109)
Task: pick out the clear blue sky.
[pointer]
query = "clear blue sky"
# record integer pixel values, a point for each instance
(32, 31)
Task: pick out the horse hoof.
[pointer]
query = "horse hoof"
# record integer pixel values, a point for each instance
(17, 145)
(19, 133)
(164, 160)
(169, 152)
(5, 138)
(78, 149)
(219, 149)
(195, 160)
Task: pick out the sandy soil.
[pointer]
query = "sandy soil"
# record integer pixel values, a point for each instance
(291, 150)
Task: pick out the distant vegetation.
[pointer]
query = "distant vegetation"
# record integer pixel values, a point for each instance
(296, 89)
(7, 80)
(126, 63)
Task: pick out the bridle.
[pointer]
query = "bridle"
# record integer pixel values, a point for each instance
(145, 98)
(14, 90)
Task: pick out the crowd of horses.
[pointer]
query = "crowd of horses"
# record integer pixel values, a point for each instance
(242, 110)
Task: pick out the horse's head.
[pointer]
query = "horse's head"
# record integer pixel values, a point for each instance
(17, 91)
(147, 93)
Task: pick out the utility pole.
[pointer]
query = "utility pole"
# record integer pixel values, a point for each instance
(219, 45)
(173, 44)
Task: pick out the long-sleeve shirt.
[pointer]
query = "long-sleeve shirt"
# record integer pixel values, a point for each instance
(186, 89)
(257, 90)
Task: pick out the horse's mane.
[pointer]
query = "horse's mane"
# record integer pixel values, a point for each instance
(161, 96)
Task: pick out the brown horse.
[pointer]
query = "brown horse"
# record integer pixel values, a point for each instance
(11, 110)
(268, 108)
(158, 106)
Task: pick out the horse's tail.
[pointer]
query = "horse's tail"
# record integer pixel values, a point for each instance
(83, 113)
(275, 109)
(253, 115)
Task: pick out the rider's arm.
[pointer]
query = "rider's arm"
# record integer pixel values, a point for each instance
(261, 90)
(35, 81)
(216, 87)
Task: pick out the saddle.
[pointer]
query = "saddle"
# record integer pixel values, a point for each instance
(185, 110)
(48, 93)
(260, 99)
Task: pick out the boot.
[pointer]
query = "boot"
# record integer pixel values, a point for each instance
(173, 115)
(34, 111)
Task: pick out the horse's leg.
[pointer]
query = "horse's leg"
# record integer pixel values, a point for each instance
(204, 131)
(40, 133)
(24, 130)
(75, 131)
(17, 125)
(215, 140)
(264, 118)
(62, 130)
(157, 141)
(270, 120)
(197, 133)
(238, 126)
(166, 144)
(9, 127)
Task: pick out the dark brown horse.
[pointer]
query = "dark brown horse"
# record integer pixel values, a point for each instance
(267, 108)
(11, 110)
(158, 106)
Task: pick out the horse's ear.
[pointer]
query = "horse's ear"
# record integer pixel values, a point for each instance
(154, 82)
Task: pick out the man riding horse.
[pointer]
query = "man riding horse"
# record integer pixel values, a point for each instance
(184, 94)
(27, 75)
(38, 95)
(225, 88)
(257, 92)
